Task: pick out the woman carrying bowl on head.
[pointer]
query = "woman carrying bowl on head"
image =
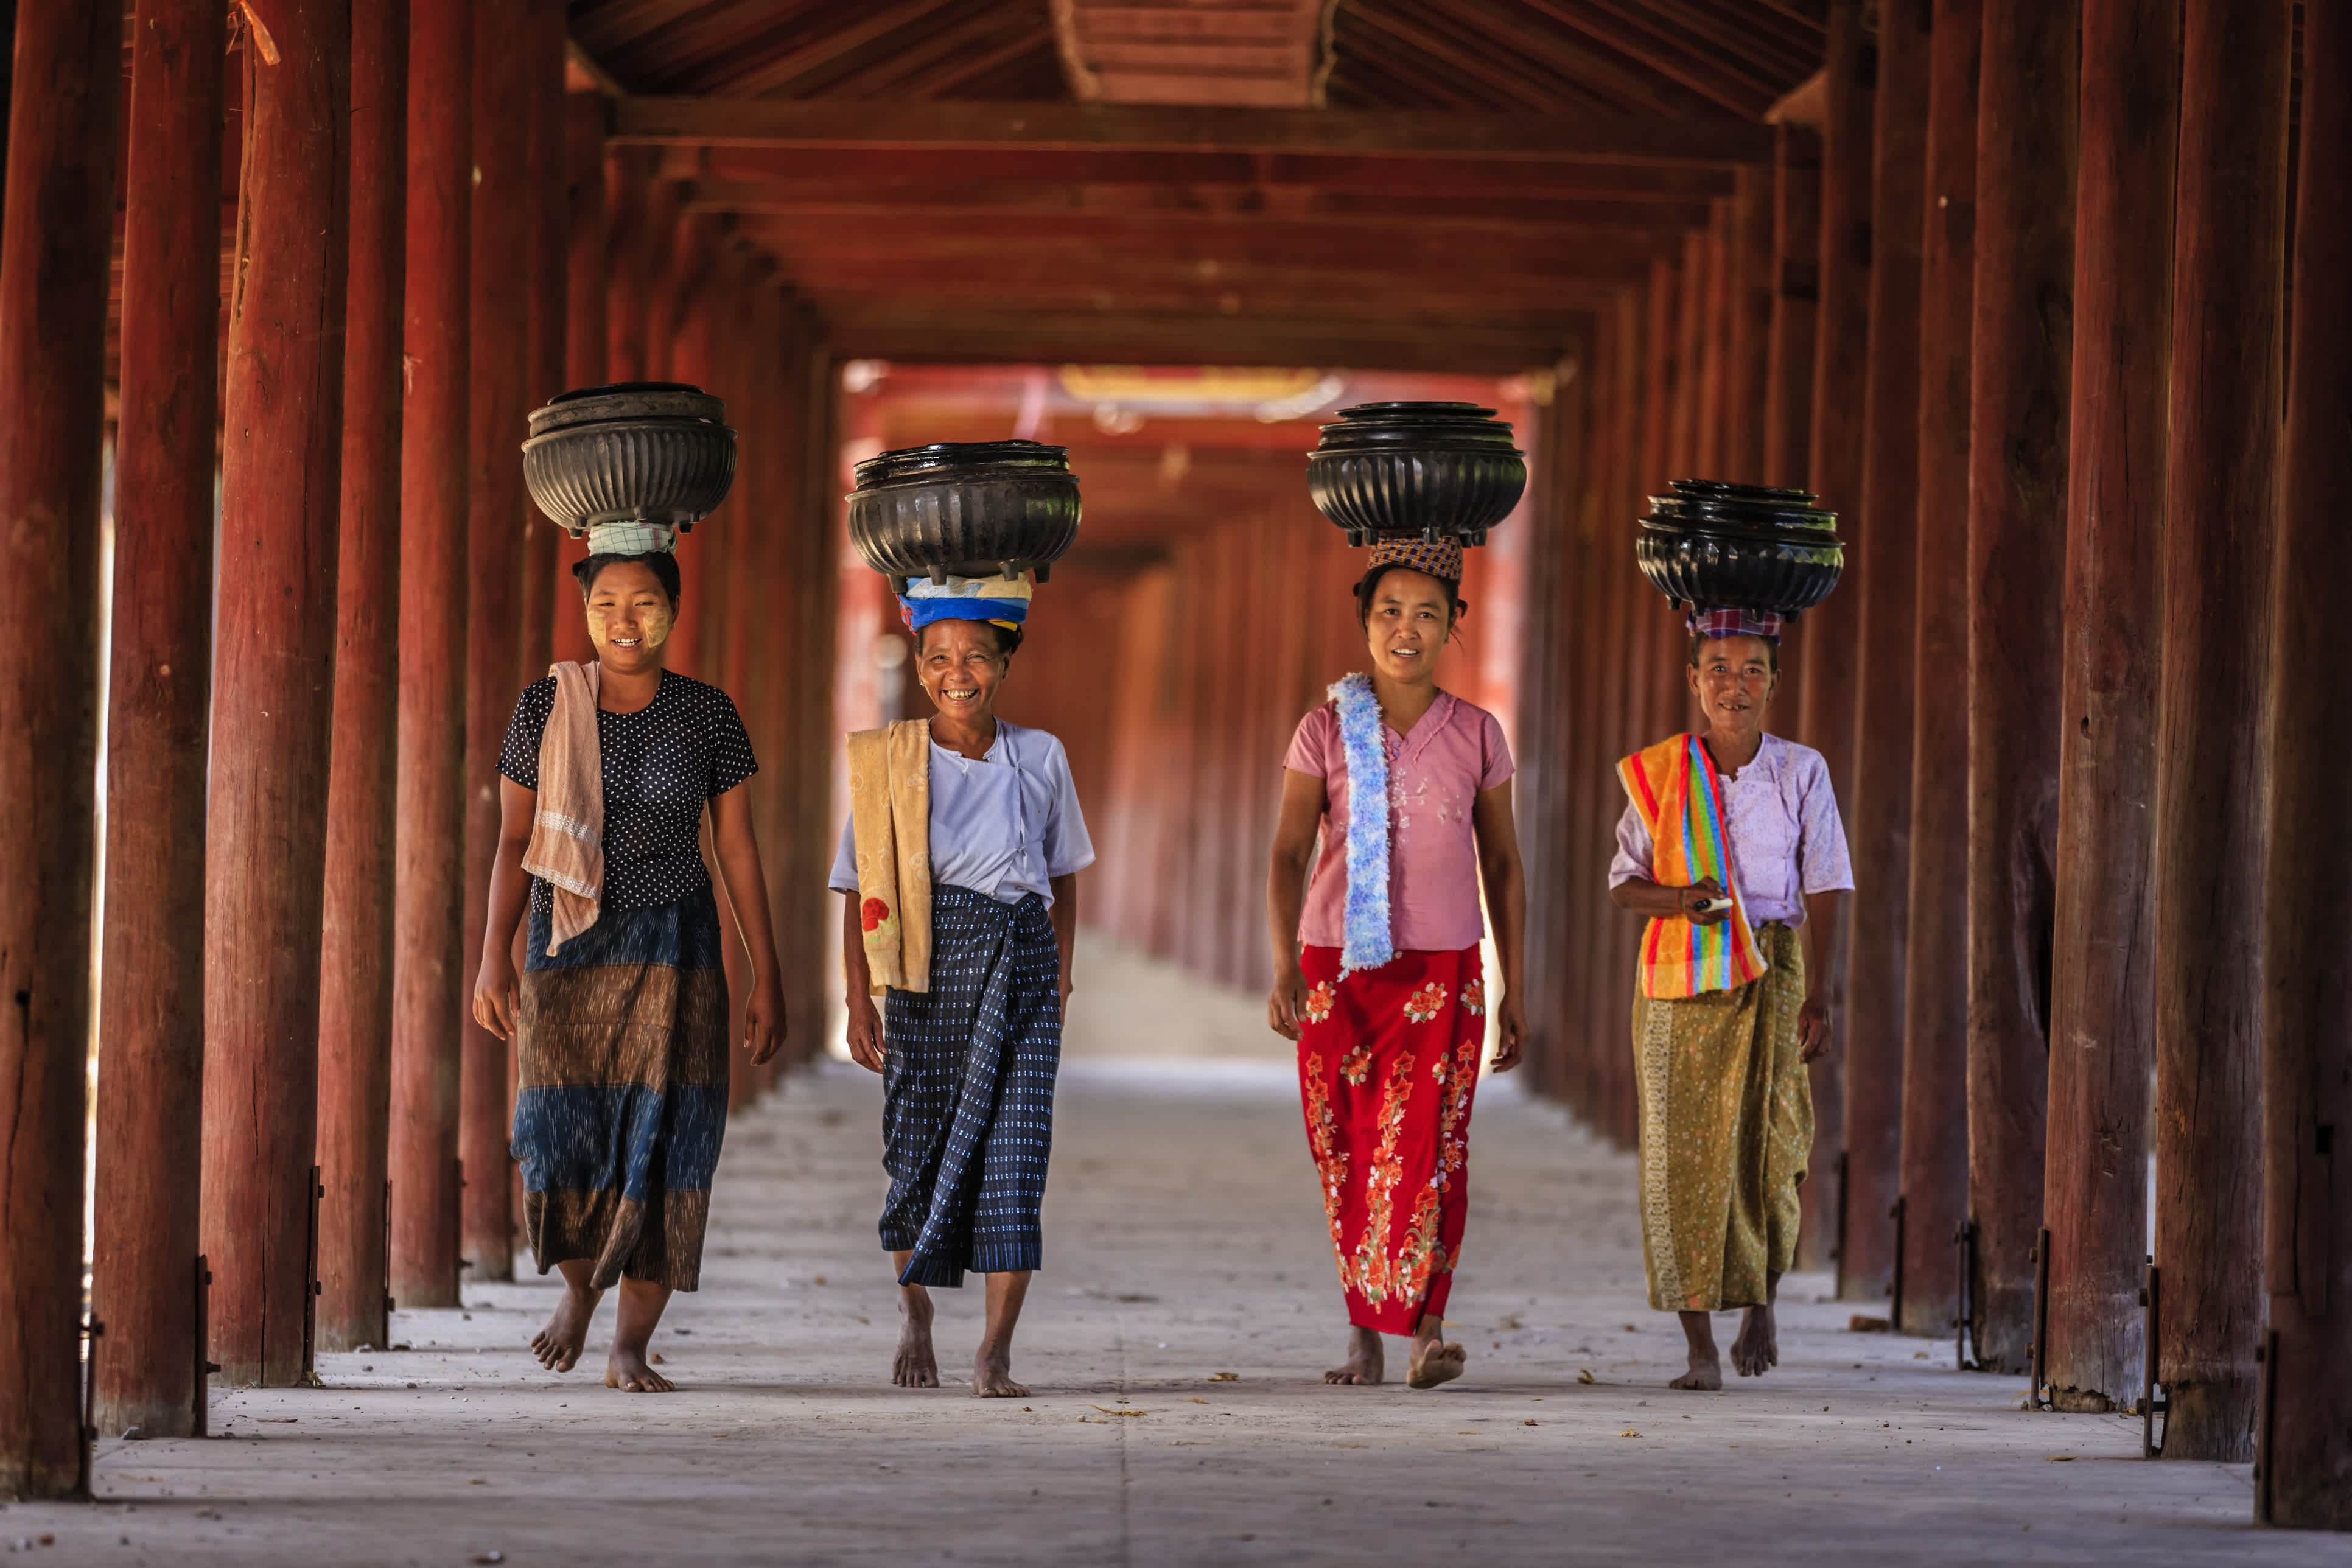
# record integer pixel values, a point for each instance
(1730, 844)
(1376, 957)
(959, 866)
(622, 1006)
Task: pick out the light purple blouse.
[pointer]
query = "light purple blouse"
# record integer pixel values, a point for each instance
(1786, 838)
(1004, 825)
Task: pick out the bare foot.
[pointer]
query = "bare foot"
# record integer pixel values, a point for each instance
(1758, 1348)
(627, 1371)
(1706, 1373)
(559, 1345)
(1366, 1359)
(914, 1366)
(1435, 1360)
(991, 1375)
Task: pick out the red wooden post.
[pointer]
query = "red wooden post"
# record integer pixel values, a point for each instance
(2229, 265)
(430, 977)
(1934, 1171)
(499, 286)
(2017, 489)
(549, 199)
(151, 1008)
(1825, 648)
(585, 244)
(2102, 1032)
(1796, 295)
(55, 240)
(273, 693)
(2307, 1469)
(1885, 531)
(355, 951)
(1747, 387)
(627, 192)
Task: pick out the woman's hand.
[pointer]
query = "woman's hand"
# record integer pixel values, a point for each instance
(1286, 1001)
(1812, 1030)
(763, 1019)
(494, 994)
(1511, 1033)
(865, 1032)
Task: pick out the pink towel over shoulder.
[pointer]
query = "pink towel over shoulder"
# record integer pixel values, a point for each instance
(567, 832)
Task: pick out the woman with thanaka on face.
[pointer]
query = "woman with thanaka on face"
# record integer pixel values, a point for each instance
(1731, 845)
(622, 1004)
(1376, 959)
(959, 867)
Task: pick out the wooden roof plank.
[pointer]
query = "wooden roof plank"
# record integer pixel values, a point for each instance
(1669, 52)
(783, 122)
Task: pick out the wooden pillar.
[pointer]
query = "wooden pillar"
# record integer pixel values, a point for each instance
(2229, 265)
(429, 972)
(499, 350)
(273, 694)
(1796, 295)
(627, 192)
(1935, 1170)
(548, 193)
(585, 261)
(1823, 649)
(1883, 531)
(2017, 492)
(2306, 1479)
(54, 242)
(2101, 1031)
(1711, 375)
(1753, 296)
(355, 949)
(151, 1005)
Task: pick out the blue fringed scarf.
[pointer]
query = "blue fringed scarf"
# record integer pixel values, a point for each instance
(1369, 943)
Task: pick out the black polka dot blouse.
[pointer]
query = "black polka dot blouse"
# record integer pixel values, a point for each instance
(662, 765)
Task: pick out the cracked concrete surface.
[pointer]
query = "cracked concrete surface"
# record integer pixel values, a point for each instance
(1173, 1344)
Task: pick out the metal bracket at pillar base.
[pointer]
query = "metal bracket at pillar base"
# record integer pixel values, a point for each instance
(2155, 1406)
(2266, 1357)
(92, 1331)
(1963, 1313)
(2037, 1386)
(201, 1423)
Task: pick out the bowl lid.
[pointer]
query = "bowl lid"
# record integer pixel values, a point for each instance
(1380, 427)
(944, 461)
(628, 400)
(1717, 505)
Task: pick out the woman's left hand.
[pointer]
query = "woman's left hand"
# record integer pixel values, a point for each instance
(1812, 1030)
(763, 1019)
(1510, 1033)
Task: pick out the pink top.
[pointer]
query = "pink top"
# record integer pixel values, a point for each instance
(1435, 776)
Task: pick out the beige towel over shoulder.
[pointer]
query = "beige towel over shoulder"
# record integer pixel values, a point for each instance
(567, 831)
(890, 811)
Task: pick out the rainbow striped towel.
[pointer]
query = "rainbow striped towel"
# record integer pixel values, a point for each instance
(1673, 787)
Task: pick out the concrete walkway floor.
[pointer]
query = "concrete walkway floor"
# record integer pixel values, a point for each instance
(1174, 1345)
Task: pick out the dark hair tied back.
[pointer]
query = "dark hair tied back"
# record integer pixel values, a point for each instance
(1370, 584)
(660, 563)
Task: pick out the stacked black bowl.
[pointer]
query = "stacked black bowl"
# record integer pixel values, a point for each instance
(969, 508)
(640, 451)
(1386, 471)
(1746, 547)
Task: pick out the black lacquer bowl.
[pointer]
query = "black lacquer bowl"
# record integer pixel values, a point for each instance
(970, 508)
(1391, 470)
(646, 451)
(1745, 547)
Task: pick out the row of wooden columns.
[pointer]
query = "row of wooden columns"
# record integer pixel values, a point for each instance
(2076, 664)
(413, 268)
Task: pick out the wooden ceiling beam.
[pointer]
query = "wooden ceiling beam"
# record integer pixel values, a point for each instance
(851, 201)
(1184, 341)
(1599, 66)
(1665, 51)
(1396, 178)
(778, 123)
(1208, 245)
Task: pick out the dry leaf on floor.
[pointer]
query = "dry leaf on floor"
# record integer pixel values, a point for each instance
(1629, 1432)
(1225, 1378)
(1194, 1399)
(1109, 1411)
(1584, 1374)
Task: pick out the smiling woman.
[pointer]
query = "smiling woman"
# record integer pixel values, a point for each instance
(1376, 958)
(621, 1008)
(1730, 839)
